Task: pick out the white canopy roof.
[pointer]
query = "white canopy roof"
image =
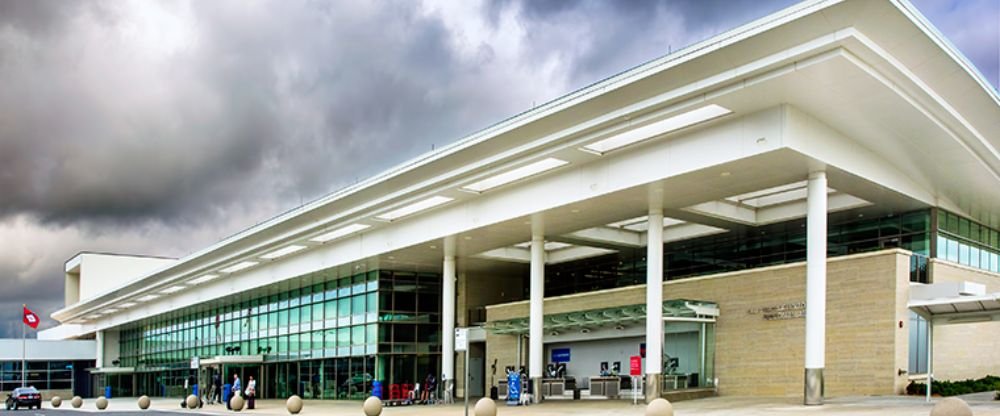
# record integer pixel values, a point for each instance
(959, 309)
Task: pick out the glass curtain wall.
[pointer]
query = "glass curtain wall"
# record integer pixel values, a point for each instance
(327, 328)
(748, 248)
(963, 241)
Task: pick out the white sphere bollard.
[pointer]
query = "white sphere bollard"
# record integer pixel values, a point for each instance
(372, 406)
(951, 406)
(294, 404)
(660, 407)
(144, 402)
(56, 401)
(192, 402)
(101, 403)
(77, 402)
(237, 403)
(485, 407)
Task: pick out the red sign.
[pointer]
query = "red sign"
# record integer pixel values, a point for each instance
(635, 365)
(30, 319)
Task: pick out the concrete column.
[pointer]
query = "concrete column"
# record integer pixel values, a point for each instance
(448, 298)
(536, 348)
(100, 349)
(816, 231)
(654, 298)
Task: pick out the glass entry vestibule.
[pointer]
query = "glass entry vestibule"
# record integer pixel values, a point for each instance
(595, 346)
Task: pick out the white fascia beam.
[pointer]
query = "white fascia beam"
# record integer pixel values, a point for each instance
(726, 210)
(784, 212)
(609, 236)
(575, 253)
(689, 230)
(511, 254)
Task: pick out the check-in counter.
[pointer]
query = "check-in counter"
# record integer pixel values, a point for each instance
(553, 387)
(609, 387)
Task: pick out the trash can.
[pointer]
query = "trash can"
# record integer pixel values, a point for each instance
(377, 389)
(576, 393)
(107, 392)
(227, 391)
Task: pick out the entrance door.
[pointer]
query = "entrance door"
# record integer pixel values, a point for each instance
(476, 370)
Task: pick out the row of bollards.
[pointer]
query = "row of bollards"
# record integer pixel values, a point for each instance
(372, 406)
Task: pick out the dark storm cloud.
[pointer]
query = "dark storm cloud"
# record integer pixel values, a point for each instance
(285, 101)
(602, 38)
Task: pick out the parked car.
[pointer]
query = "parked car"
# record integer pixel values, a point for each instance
(24, 397)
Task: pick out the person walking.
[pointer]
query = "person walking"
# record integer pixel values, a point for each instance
(251, 391)
(216, 388)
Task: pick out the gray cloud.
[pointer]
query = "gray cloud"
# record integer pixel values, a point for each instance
(161, 127)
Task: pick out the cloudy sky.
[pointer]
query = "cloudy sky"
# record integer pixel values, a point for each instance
(161, 127)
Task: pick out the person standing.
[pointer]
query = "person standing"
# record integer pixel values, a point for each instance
(251, 391)
(236, 389)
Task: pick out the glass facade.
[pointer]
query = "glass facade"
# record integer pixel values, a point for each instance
(967, 242)
(43, 375)
(328, 335)
(748, 248)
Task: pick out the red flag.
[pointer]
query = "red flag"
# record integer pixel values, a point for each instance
(30, 319)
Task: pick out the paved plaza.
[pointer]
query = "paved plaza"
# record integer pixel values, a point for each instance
(982, 405)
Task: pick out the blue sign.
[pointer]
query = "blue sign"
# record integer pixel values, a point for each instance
(513, 388)
(560, 355)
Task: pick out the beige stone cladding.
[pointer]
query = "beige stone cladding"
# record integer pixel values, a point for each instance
(971, 350)
(754, 356)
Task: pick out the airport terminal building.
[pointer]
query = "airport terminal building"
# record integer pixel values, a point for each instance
(791, 207)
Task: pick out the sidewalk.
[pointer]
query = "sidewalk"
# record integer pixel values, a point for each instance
(982, 405)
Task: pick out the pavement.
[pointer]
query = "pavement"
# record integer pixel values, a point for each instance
(982, 405)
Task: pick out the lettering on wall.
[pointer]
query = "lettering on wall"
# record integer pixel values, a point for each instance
(783, 311)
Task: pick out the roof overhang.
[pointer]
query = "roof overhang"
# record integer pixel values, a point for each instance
(959, 309)
(866, 88)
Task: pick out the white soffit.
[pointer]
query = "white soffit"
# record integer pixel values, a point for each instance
(771, 205)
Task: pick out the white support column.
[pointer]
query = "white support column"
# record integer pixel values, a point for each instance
(816, 231)
(536, 348)
(100, 349)
(654, 297)
(448, 298)
(930, 357)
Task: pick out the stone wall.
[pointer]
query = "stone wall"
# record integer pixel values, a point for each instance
(865, 345)
(971, 350)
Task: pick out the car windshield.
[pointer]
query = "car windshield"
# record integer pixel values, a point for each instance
(25, 390)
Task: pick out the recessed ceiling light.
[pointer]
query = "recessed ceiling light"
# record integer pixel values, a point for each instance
(725, 174)
(657, 128)
(109, 311)
(147, 298)
(516, 174)
(127, 305)
(284, 251)
(239, 266)
(172, 289)
(203, 279)
(433, 246)
(340, 232)
(468, 237)
(415, 207)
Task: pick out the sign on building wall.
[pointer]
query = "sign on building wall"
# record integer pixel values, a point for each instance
(780, 312)
(560, 355)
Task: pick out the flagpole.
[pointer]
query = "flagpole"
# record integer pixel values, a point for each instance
(24, 349)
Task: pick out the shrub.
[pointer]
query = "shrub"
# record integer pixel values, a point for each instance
(954, 388)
